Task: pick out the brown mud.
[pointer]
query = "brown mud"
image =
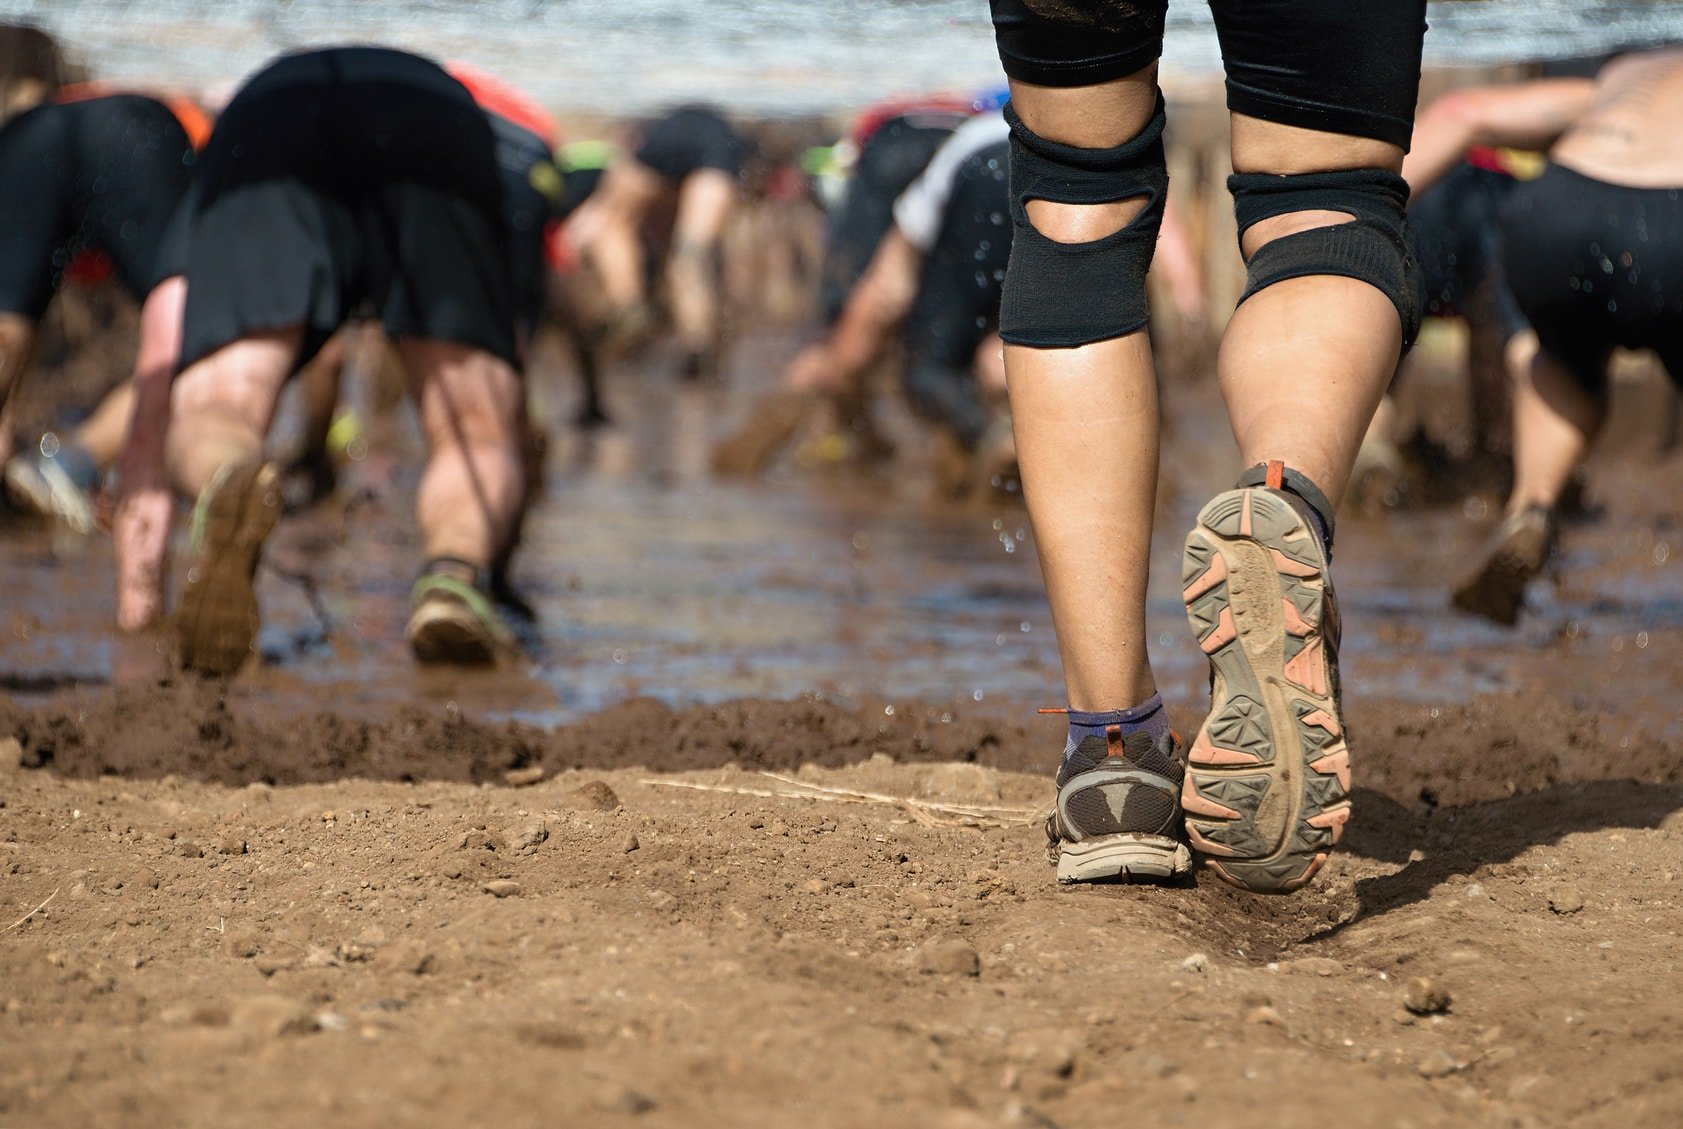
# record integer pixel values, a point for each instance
(752, 840)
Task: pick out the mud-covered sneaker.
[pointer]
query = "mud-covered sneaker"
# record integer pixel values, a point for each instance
(455, 623)
(217, 621)
(44, 487)
(1267, 789)
(1117, 815)
(1523, 546)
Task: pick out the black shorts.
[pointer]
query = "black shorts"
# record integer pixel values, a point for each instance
(1455, 234)
(893, 157)
(957, 302)
(1594, 266)
(1340, 66)
(104, 174)
(344, 180)
(688, 139)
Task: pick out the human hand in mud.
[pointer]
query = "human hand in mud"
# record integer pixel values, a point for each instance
(141, 531)
(815, 369)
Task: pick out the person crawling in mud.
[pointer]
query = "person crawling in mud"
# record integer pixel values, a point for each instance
(1322, 97)
(690, 160)
(336, 180)
(89, 180)
(1593, 251)
(933, 281)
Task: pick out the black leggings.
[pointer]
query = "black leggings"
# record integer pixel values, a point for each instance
(1340, 66)
(957, 300)
(1596, 265)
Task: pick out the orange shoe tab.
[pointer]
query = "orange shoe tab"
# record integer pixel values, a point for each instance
(1276, 474)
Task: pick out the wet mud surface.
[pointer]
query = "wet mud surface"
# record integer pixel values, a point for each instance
(753, 840)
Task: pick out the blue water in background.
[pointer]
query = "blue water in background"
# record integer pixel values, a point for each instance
(758, 56)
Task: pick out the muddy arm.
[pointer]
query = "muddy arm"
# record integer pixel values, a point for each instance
(876, 307)
(1526, 115)
(144, 503)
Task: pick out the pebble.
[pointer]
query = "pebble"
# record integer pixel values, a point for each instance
(1425, 996)
(502, 888)
(230, 845)
(948, 956)
(523, 777)
(1565, 900)
(594, 796)
(1197, 962)
(188, 849)
(1437, 1064)
(1159, 1067)
(1265, 1016)
(629, 843)
(529, 837)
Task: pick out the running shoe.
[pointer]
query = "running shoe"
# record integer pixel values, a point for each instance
(1523, 546)
(1267, 790)
(454, 623)
(1118, 815)
(41, 486)
(217, 622)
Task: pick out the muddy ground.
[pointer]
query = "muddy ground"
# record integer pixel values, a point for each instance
(753, 840)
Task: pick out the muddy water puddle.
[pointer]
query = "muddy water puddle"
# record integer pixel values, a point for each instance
(653, 579)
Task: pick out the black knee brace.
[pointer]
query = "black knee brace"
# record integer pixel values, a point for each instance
(1370, 247)
(1058, 295)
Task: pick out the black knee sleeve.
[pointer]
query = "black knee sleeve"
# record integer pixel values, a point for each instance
(1059, 295)
(1370, 247)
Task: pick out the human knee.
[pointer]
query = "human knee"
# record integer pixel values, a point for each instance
(469, 398)
(1348, 222)
(1086, 223)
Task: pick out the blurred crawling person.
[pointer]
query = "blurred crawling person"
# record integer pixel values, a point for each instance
(336, 180)
(690, 160)
(932, 280)
(87, 178)
(1321, 97)
(1593, 253)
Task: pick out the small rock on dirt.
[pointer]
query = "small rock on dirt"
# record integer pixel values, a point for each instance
(594, 796)
(949, 956)
(1565, 900)
(629, 843)
(529, 837)
(1197, 962)
(523, 777)
(502, 888)
(1437, 1064)
(230, 845)
(1265, 1016)
(1425, 996)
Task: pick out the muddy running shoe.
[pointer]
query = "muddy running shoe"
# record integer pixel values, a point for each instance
(454, 623)
(217, 622)
(1117, 815)
(1523, 546)
(768, 429)
(44, 487)
(1268, 777)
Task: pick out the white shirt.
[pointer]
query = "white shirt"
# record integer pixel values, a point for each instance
(917, 213)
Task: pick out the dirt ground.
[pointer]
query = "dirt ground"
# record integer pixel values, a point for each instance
(285, 903)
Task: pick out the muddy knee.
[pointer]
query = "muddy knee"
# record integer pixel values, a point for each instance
(1348, 223)
(1086, 224)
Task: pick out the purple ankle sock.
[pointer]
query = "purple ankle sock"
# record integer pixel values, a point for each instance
(1148, 715)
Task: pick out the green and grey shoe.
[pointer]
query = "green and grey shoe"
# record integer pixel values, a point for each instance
(218, 620)
(454, 623)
